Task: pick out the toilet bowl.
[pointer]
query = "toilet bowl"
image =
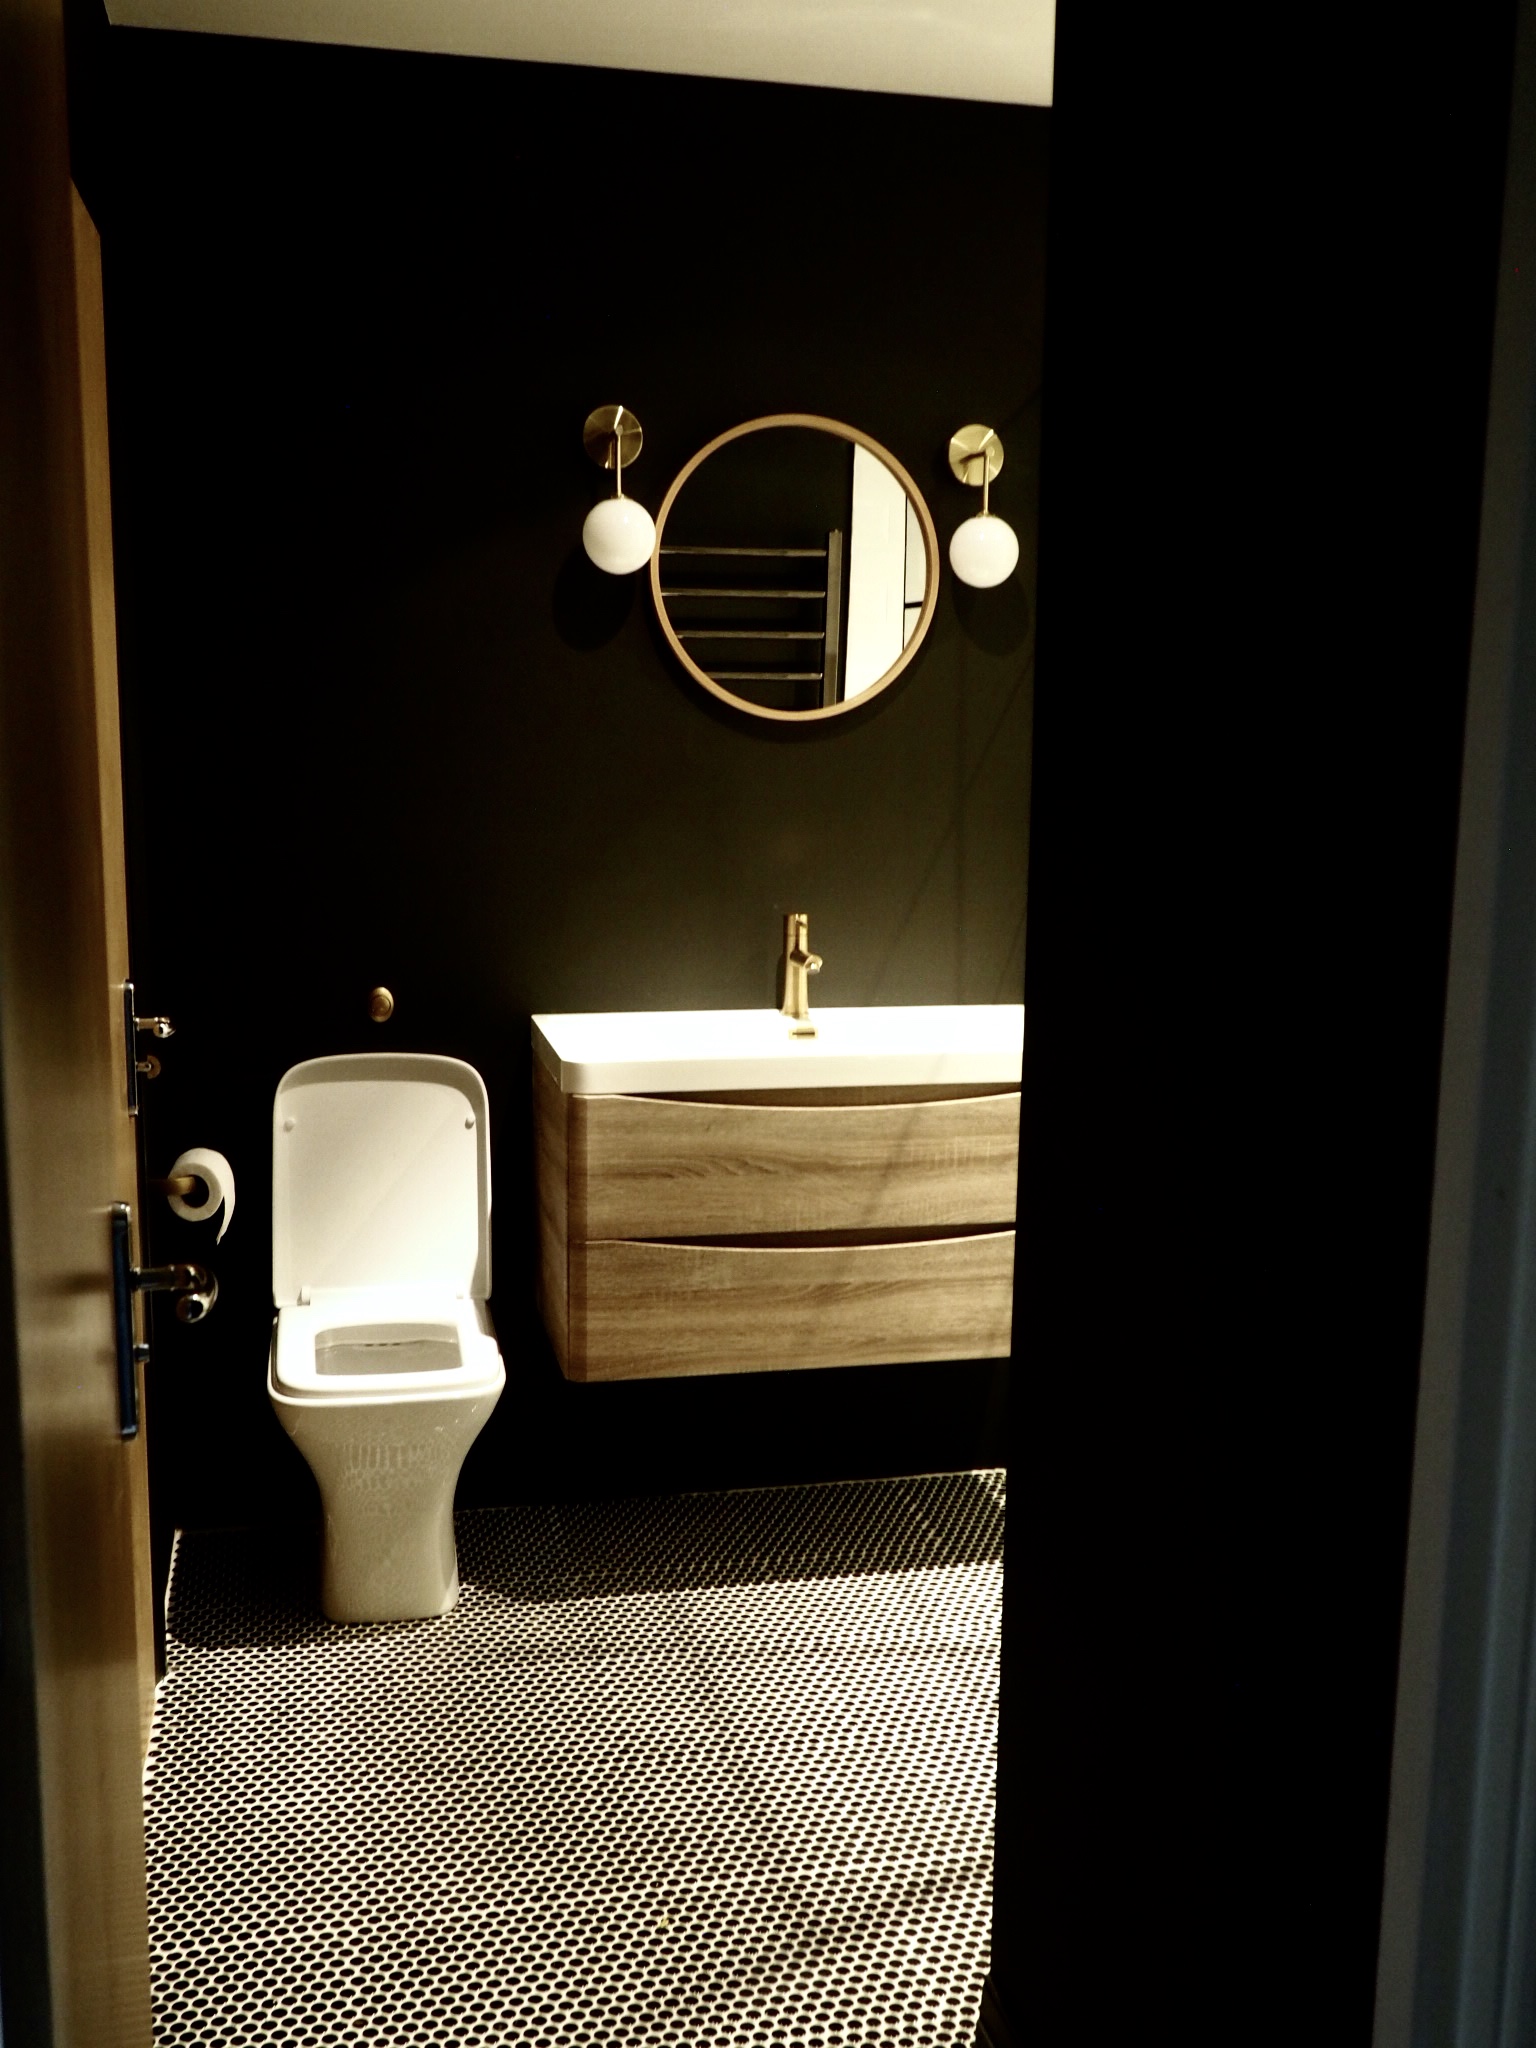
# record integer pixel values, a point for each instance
(384, 1363)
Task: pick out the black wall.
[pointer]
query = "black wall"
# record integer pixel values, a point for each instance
(385, 724)
(1271, 286)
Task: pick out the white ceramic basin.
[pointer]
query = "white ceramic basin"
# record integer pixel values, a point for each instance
(662, 1052)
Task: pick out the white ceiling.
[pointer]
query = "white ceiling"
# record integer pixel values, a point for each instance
(953, 49)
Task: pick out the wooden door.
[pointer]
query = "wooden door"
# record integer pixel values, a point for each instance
(76, 1669)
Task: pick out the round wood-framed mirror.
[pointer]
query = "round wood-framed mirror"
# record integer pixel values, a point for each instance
(796, 567)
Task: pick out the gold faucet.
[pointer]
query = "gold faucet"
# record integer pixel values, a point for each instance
(799, 964)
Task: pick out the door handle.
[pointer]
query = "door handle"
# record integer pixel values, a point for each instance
(195, 1289)
(129, 1354)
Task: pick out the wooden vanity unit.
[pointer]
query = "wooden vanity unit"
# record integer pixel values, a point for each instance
(763, 1229)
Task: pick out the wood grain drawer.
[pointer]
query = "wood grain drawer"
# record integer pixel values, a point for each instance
(906, 1201)
(639, 1310)
(646, 1166)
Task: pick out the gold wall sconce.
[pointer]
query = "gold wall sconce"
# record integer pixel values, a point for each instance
(983, 550)
(618, 534)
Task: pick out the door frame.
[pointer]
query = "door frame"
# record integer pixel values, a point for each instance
(1457, 1958)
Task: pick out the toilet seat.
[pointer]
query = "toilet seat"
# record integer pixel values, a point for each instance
(320, 1348)
(381, 1201)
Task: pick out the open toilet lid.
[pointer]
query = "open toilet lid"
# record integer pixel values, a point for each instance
(381, 1177)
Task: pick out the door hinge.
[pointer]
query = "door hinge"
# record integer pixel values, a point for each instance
(148, 1067)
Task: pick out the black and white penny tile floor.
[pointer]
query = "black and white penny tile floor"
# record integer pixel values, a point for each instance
(714, 1770)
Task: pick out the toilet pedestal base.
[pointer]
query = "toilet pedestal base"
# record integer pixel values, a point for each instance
(387, 1473)
(402, 1567)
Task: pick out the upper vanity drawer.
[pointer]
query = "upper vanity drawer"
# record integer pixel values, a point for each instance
(642, 1166)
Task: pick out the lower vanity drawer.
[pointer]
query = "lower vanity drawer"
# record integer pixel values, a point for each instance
(648, 1310)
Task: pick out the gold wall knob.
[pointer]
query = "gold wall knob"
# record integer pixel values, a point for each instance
(381, 1005)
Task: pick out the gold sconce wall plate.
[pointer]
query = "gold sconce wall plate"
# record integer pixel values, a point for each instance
(966, 451)
(920, 614)
(611, 434)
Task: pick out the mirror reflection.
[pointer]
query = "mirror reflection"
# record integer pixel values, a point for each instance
(794, 572)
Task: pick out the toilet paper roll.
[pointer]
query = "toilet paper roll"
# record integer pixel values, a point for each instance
(213, 1168)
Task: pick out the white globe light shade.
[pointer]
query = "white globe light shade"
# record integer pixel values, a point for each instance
(984, 550)
(619, 535)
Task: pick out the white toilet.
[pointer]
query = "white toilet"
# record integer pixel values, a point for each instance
(384, 1364)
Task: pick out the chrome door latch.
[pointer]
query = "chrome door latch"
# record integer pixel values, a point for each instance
(195, 1289)
(133, 1024)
